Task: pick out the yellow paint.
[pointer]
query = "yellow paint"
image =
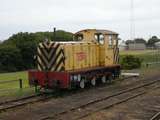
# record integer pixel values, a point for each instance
(89, 52)
(96, 54)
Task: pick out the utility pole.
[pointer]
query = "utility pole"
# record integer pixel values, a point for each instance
(132, 23)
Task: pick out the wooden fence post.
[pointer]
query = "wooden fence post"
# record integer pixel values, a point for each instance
(20, 84)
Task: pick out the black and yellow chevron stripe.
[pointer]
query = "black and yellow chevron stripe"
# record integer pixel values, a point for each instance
(116, 55)
(50, 57)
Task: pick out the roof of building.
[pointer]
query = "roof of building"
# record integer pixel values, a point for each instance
(136, 43)
(98, 31)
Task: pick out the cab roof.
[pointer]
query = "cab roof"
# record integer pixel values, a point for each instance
(98, 31)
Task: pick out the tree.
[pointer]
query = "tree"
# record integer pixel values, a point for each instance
(152, 41)
(140, 40)
(136, 40)
(10, 58)
(19, 50)
(128, 42)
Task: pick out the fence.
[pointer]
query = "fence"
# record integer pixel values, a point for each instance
(15, 88)
(20, 82)
(153, 58)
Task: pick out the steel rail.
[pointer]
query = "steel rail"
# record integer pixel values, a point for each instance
(103, 99)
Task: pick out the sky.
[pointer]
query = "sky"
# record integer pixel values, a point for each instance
(74, 15)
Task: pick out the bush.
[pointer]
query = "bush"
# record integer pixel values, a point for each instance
(130, 62)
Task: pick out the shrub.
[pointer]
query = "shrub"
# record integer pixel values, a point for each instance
(130, 62)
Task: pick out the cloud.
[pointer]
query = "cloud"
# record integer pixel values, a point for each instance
(72, 15)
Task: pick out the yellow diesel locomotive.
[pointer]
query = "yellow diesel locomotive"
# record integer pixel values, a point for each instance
(92, 57)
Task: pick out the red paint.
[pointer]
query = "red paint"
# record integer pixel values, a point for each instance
(49, 78)
(81, 56)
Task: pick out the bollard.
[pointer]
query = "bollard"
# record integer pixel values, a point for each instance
(20, 84)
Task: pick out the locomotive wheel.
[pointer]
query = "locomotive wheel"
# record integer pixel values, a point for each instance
(93, 81)
(82, 84)
(104, 79)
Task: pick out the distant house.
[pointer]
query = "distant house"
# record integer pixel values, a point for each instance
(136, 46)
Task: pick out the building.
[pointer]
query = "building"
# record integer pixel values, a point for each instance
(136, 46)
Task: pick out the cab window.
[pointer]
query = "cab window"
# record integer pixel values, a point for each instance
(79, 37)
(99, 38)
(110, 42)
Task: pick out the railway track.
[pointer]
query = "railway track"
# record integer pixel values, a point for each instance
(11, 104)
(79, 108)
(22, 101)
(105, 102)
(156, 117)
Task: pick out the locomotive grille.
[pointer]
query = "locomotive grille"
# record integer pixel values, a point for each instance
(50, 57)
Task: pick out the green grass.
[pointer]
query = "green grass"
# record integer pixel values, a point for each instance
(12, 88)
(13, 76)
(137, 52)
(147, 56)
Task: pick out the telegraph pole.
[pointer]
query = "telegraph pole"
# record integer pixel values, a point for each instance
(132, 23)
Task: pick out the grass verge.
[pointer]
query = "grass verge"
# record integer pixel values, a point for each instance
(12, 89)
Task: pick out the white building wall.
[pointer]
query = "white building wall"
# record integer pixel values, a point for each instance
(136, 46)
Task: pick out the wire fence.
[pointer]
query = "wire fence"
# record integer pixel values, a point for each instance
(152, 58)
(148, 57)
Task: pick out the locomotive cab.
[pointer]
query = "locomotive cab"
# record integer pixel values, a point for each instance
(107, 40)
